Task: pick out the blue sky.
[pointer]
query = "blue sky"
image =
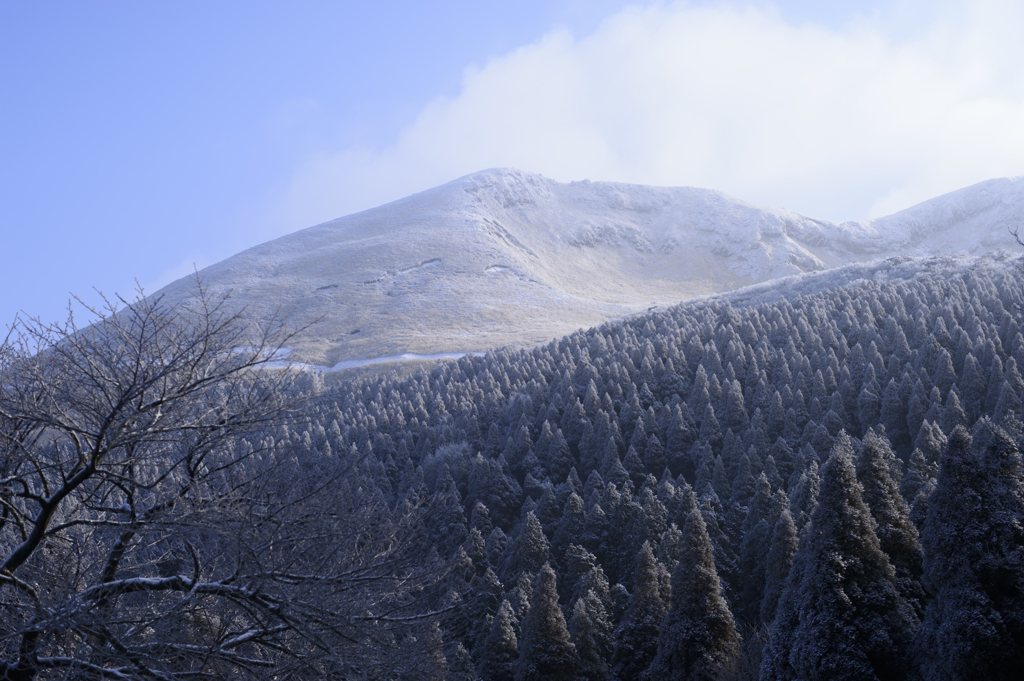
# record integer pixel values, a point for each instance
(139, 138)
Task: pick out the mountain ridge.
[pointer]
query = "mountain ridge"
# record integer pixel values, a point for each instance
(504, 257)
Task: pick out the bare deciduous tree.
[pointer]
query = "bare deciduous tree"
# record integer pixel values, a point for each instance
(151, 528)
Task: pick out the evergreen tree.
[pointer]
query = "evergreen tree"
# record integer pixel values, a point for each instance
(595, 483)
(545, 651)
(771, 472)
(636, 637)
(527, 552)
(698, 638)
(654, 456)
(499, 652)
(726, 560)
(720, 480)
(776, 417)
(917, 408)
(735, 415)
(591, 633)
(1008, 403)
(953, 414)
(919, 506)
(635, 467)
(777, 661)
(616, 473)
(638, 438)
(669, 546)
(519, 452)
(573, 420)
(869, 407)
(533, 487)
(973, 539)
(547, 510)
(583, 574)
(754, 548)
(598, 524)
(544, 441)
(783, 455)
(931, 441)
(483, 605)
(559, 457)
(572, 485)
(893, 415)
(571, 528)
(744, 483)
(680, 436)
(710, 431)
(803, 497)
(897, 536)
(459, 662)
(480, 520)
(475, 547)
(924, 467)
(995, 383)
(972, 388)
(779, 564)
(623, 540)
(913, 481)
(852, 621)
(501, 493)
(495, 546)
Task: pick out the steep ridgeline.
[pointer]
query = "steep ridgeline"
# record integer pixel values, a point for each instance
(506, 257)
(817, 480)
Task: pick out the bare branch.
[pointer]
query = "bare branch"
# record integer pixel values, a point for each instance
(1015, 233)
(157, 522)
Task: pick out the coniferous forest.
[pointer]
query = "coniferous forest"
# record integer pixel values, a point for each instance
(828, 486)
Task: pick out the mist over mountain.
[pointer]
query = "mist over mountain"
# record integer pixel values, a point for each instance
(508, 257)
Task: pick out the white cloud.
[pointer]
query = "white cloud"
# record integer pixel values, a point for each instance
(838, 124)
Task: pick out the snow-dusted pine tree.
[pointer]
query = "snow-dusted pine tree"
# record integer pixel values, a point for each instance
(636, 637)
(545, 651)
(499, 651)
(591, 634)
(897, 536)
(780, 562)
(974, 560)
(852, 621)
(698, 639)
(527, 552)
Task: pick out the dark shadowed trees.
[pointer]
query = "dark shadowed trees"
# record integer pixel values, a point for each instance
(527, 552)
(897, 535)
(780, 561)
(636, 637)
(698, 639)
(852, 622)
(545, 651)
(974, 544)
(499, 651)
(591, 633)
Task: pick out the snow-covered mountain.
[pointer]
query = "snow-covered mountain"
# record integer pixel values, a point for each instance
(507, 257)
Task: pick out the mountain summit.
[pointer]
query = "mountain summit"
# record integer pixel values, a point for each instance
(508, 257)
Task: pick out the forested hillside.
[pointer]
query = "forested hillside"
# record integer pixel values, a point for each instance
(822, 487)
(777, 485)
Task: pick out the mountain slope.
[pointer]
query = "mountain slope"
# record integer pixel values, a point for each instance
(503, 256)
